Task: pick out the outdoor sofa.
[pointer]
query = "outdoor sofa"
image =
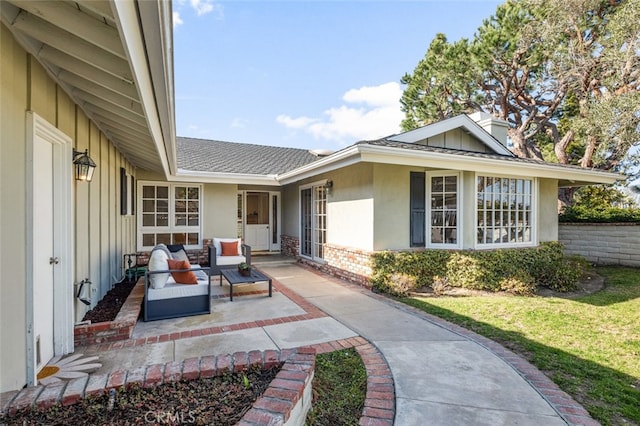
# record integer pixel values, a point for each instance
(173, 293)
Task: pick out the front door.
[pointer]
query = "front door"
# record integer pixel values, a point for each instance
(261, 217)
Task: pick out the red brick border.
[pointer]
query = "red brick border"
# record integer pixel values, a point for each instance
(119, 329)
(276, 404)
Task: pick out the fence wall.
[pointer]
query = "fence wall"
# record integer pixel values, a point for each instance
(603, 243)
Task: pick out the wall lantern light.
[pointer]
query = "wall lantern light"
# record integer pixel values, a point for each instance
(84, 166)
(328, 186)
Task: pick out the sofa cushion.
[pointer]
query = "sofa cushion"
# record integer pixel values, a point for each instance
(180, 255)
(182, 277)
(229, 260)
(218, 246)
(229, 248)
(158, 261)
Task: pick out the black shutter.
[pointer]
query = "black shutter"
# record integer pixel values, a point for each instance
(417, 207)
(123, 191)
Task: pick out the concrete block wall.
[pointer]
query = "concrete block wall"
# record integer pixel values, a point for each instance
(602, 243)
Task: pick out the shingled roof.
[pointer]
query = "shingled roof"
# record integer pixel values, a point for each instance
(200, 155)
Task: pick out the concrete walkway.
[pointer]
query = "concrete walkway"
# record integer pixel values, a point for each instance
(441, 376)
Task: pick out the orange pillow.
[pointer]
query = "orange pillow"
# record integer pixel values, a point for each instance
(229, 249)
(184, 277)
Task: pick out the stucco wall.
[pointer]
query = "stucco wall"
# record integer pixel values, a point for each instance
(603, 243)
(350, 207)
(391, 206)
(547, 210)
(101, 234)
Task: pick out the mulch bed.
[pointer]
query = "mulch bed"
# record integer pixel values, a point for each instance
(220, 400)
(107, 309)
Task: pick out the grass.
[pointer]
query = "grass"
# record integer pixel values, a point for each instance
(589, 346)
(339, 388)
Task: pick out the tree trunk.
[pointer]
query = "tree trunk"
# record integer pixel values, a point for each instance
(565, 198)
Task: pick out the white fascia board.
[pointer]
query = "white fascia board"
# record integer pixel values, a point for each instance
(346, 157)
(126, 16)
(443, 126)
(390, 155)
(183, 175)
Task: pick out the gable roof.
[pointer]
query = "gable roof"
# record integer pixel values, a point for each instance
(459, 121)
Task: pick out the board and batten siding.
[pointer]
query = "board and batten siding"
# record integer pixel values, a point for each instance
(101, 235)
(602, 243)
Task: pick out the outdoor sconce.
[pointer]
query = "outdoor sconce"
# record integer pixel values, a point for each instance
(84, 165)
(328, 186)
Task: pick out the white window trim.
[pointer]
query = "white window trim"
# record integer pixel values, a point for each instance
(170, 228)
(300, 189)
(459, 198)
(534, 213)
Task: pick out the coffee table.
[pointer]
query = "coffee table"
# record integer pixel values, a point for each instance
(234, 277)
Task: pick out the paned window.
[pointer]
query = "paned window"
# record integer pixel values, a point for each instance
(169, 214)
(313, 221)
(443, 192)
(504, 210)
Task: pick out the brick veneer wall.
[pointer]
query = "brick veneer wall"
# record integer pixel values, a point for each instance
(119, 329)
(347, 263)
(290, 246)
(602, 243)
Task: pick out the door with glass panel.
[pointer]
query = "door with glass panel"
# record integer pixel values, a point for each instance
(259, 218)
(313, 221)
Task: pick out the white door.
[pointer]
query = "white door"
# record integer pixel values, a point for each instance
(256, 229)
(44, 258)
(50, 264)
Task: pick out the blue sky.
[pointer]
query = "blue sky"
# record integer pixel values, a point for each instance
(306, 74)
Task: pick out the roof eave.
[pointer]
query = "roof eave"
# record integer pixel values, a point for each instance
(567, 176)
(152, 70)
(183, 175)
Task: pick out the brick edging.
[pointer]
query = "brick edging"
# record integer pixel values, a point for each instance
(278, 401)
(117, 330)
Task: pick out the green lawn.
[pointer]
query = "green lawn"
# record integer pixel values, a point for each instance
(589, 346)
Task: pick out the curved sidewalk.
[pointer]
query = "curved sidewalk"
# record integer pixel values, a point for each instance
(443, 374)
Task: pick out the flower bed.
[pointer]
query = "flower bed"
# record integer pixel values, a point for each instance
(119, 329)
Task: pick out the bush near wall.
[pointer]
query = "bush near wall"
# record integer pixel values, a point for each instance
(581, 214)
(518, 270)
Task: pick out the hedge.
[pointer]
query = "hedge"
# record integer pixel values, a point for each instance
(517, 270)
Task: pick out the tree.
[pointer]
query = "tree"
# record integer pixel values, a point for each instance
(563, 73)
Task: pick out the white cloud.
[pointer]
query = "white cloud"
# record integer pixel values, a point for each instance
(378, 116)
(202, 7)
(177, 20)
(295, 123)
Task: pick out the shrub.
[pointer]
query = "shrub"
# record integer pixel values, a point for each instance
(518, 271)
(439, 285)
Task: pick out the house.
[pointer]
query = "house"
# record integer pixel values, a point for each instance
(97, 76)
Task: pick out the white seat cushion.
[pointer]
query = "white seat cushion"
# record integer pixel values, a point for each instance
(230, 260)
(171, 290)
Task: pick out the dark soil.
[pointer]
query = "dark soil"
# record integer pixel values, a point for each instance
(216, 401)
(107, 309)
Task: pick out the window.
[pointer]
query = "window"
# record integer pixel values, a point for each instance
(417, 208)
(169, 214)
(443, 193)
(313, 221)
(504, 210)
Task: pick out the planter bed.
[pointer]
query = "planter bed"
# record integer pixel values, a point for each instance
(119, 329)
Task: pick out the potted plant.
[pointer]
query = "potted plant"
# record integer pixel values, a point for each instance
(245, 269)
